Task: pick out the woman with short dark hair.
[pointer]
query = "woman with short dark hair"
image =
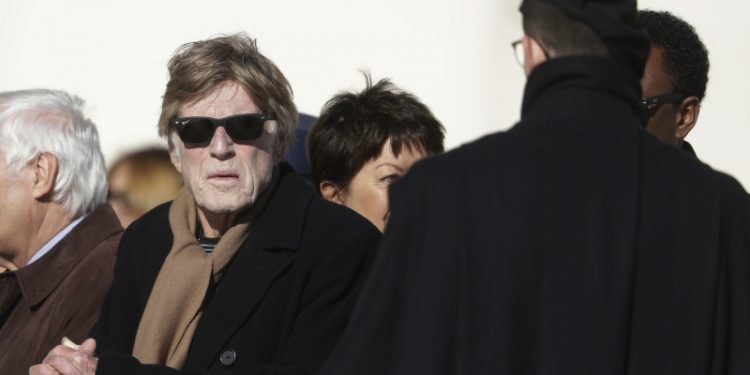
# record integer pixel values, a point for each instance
(363, 142)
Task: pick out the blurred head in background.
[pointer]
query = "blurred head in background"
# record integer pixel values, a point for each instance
(140, 181)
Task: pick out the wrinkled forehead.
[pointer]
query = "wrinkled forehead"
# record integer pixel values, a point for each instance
(225, 99)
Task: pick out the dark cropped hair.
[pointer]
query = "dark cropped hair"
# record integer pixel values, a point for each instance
(559, 34)
(353, 127)
(685, 56)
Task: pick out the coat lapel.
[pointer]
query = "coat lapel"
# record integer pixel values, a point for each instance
(240, 291)
(267, 252)
(38, 280)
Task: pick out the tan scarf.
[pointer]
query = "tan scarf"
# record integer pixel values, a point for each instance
(175, 305)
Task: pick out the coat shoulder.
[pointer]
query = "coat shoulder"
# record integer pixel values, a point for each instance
(329, 221)
(146, 242)
(448, 173)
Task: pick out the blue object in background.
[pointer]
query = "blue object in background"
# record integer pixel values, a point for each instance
(296, 155)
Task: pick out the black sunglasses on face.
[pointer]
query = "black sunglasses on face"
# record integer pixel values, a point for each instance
(651, 105)
(198, 131)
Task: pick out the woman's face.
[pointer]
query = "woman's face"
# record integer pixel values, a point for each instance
(367, 193)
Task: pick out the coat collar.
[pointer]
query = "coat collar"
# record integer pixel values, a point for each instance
(282, 222)
(559, 76)
(254, 268)
(39, 279)
(687, 147)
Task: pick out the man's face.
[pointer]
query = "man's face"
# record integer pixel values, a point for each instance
(224, 176)
(655, 82)
(16, 202)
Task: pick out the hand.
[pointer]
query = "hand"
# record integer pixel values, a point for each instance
(68, 359)
(6, 265)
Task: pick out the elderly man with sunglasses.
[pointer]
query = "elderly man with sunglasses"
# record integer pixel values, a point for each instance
(247, 270)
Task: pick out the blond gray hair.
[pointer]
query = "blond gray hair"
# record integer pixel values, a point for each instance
(199, 67)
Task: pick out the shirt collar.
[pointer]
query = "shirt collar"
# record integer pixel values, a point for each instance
(59, 236)
(39, 279)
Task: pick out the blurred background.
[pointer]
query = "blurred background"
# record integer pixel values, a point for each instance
(453, 54)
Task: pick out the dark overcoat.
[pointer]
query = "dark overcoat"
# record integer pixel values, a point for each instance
(281, 304)
(573, 244)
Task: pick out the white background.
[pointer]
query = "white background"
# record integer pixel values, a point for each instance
(454, 54)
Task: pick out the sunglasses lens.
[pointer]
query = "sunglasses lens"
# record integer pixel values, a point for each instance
(245, 128)
(196, 131)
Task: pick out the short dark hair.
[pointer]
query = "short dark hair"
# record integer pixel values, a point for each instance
(353, 127)
(559, 34)
(685, 56)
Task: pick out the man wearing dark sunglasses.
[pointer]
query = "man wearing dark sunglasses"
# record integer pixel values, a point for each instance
(675, 78)
(247, 270)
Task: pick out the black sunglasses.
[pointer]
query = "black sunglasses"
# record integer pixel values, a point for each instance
(651, 105)
(198, 131)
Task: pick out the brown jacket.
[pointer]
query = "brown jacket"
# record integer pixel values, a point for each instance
(58, 295)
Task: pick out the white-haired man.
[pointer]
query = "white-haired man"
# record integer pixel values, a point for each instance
(57, 238)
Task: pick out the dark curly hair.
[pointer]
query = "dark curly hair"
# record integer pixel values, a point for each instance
(353, 127)
(685, 56)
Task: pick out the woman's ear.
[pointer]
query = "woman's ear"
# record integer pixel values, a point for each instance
(331, 192)
(687, 114)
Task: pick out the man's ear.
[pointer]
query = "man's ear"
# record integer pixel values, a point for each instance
(533, 54)
(278, 148)
(331, 192)
(687, 116)
(278, 153)
(175, 158)
(45, 172)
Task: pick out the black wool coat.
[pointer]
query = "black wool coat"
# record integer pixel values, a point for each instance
(573, 244)
(280, 306)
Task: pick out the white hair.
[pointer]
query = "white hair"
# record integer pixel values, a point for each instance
(39, 121)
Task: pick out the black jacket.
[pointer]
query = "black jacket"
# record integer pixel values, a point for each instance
(687, 147)
(574, 244)
(280, 306)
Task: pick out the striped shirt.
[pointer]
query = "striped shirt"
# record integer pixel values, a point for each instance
(207, 243)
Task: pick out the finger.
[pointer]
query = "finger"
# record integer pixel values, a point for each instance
(63, 351)
(69, 343)
(68, 366)
(42, 369)
(88, 346)
(55, 351)
(63, 365)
